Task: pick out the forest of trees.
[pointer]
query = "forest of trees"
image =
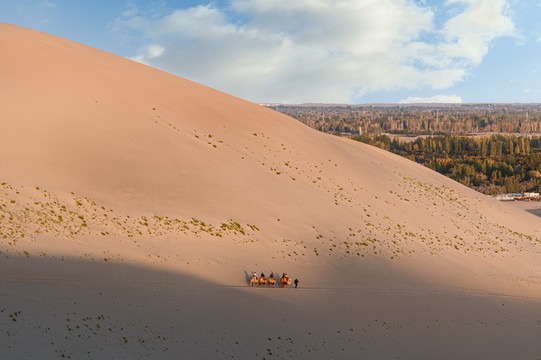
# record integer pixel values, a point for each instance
(474, 144)
(492, 164)
(418, 119)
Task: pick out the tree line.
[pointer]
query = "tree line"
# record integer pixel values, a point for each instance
(490, 164)
(418, 119)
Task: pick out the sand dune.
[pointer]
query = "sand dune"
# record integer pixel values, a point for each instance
(533, 207)
(139, 201)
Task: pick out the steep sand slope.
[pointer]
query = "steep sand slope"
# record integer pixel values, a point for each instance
(141, 201)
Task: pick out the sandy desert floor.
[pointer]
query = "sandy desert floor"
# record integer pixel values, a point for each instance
(160, 315)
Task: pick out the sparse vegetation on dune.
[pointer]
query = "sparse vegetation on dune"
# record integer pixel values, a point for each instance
(28, 214)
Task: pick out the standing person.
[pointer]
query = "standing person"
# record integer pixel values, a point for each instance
(296, 282)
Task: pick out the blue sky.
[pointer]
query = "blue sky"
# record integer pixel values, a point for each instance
(329, 51)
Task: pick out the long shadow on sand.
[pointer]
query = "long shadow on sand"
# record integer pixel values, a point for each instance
(536, 212)
(80, 309)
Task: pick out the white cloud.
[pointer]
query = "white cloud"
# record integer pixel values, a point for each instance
(470, 33)
(438, 99)
(133, 11)
(149, 53)
(319, 50)
(154, 51)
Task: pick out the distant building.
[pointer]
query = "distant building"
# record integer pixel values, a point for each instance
(519, 196)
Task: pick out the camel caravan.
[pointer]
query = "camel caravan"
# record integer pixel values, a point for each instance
(285, 280)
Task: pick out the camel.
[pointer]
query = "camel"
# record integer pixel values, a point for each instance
(285, 282)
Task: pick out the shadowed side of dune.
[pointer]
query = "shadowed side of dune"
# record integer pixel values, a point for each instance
(129, 311)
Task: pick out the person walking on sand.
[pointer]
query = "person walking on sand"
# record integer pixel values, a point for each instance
(296, 282)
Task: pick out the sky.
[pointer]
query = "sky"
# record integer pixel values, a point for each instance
(316, 51)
